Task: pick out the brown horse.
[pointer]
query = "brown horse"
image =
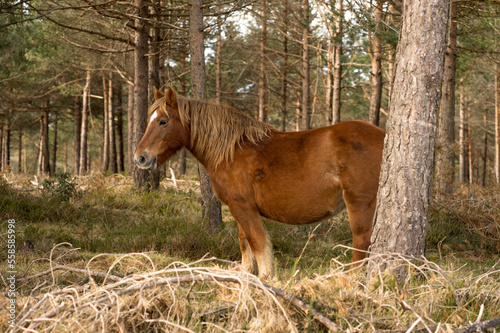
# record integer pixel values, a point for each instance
(294, 178)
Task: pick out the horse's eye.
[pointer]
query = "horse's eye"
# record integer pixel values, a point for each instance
(163, 122)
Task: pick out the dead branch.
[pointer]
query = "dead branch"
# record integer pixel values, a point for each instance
(479, 327)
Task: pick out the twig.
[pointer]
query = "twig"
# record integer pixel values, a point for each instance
(72, 269)
(479, 327)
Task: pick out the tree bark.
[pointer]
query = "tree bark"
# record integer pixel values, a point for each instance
(85, 124)
(485, 151)
(113, 163)
(54, 146)
(43, 156)
(77, 118)
(119, 128)
(497, 125)
(20, 149)
(376, 60)
(445, 159)
(284, 68)
(404, 189)
(218, 65)
(105, 123)
(182, 154)
(305, 115)
(130, 129)
(337, 66)
(6, 142)
(262, 116)
(462, 160)
(147, 179)
(211, 206)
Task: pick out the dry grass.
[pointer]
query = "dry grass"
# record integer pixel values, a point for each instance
(204, 296)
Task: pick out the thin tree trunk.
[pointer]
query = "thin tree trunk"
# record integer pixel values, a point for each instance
(337, 66)
(182, 154)
(77, 118)
(376, 74)
(262, 116)
(43, 156)
(85, 125)
(113, 163)
(405, 179)
(65, 157)
(445, 162)
(497, 125)
(485, 151)
(54, 145)
(391, 58)
(305, 116)
(119, 128)
(211, 206)
(462, 161)
(469, 149)
(105, 122)
(284, 67)
(130, 128)
(6, 143)
(329, 82)
(19, 153)
(218, 65)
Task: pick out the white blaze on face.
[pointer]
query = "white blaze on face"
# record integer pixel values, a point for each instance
(153, 116)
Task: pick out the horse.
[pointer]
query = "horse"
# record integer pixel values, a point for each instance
(291, 177)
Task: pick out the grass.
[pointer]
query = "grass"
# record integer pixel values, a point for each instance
(145, 233)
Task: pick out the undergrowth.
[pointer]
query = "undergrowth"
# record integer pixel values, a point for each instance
(108, 215)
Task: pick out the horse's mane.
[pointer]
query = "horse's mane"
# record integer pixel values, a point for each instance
(217, 129)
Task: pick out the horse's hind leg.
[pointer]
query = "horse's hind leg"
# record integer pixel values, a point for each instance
(253, 234)
(361, 221)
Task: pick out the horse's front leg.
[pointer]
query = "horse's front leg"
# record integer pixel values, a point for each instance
(253, 234)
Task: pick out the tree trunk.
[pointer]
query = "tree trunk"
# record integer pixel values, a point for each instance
(305, 116)
(337, 66)
(445, 162)
(462, 160)
(85, 125)
(485, 151)
(78, 129)
(148, 179)
(20, 149)
(130, 129)
(182, 154)
(376, 74)
(408, 158)
(105, 122)
(43, 156)
(54, 146)
(391, 58)
(469, 149)
(113, 163)
(119, 128)
(211, 206)
(218, 65)
(497, 125)
(262, 116)
(6, 143)
(284, 67)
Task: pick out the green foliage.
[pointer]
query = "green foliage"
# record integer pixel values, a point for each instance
(62, 187)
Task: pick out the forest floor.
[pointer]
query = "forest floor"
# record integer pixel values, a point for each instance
(95, 254)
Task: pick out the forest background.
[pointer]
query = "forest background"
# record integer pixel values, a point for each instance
(294, 64)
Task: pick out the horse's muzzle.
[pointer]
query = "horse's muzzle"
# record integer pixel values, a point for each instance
(143, 162)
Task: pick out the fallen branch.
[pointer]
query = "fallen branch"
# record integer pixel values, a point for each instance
(479, 327)
(72, 269)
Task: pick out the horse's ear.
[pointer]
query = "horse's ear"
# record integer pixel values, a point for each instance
(170, 96)
(158, 94)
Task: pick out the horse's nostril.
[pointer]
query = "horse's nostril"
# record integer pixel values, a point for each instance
(141, 159)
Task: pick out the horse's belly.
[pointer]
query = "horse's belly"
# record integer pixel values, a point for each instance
(300, 205)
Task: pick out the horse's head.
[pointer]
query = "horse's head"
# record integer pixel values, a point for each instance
(165, 134)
